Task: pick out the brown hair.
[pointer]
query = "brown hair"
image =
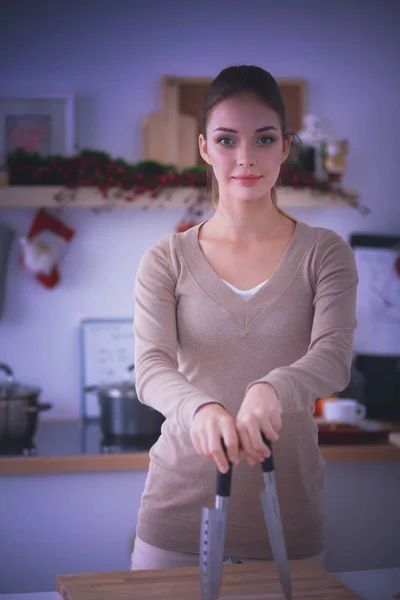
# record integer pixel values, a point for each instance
(239, 80)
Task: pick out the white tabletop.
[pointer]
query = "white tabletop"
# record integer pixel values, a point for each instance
(32, 596)
(376, 584)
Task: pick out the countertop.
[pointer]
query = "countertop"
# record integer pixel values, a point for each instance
(75, 446)
(72, 446)
(376, 584)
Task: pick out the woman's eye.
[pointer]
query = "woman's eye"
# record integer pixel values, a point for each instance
(225, 141)
(228, 141)
(265, 140)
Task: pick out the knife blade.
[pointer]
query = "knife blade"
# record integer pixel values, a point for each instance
(272, 516)
(212, 537)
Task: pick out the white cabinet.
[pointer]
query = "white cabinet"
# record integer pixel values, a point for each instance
(75, 523)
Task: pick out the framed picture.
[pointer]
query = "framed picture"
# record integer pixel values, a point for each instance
(106, 350)
(43, 124)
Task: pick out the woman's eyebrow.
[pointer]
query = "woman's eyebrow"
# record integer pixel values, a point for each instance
(259, 130)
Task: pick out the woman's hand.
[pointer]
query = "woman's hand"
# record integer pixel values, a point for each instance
(212, 424)
(259, 414)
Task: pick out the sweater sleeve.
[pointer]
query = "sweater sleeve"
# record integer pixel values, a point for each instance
(325, 368)
(159, 384)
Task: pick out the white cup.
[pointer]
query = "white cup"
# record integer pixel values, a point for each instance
(344, 410)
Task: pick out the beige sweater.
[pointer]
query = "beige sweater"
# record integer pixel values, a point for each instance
(197, 341)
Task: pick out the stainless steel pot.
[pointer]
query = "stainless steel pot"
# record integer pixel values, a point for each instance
(122, 415)
(19, 408)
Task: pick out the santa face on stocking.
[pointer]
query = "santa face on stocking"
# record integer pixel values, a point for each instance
(44, 247)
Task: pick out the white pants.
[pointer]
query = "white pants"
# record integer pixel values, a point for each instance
(145, 557)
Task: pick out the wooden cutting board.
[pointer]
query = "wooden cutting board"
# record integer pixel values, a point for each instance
(256, 581)
(169, 136)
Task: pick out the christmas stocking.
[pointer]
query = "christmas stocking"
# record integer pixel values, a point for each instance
(44, 246)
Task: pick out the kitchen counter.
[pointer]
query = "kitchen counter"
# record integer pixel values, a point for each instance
(72, 447)
(375, 584)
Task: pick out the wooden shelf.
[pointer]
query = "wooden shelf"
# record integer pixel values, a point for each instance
(90, 197)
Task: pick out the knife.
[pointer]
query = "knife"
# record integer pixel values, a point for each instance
(212, 537)
(269, 499)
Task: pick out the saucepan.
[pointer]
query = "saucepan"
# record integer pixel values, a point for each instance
(122, 415)
(19, 409)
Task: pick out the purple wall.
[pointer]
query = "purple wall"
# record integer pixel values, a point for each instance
(112, 55)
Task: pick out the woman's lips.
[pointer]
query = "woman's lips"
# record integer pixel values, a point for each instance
(247, 180)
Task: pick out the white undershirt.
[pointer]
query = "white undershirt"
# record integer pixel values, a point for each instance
(245, 294)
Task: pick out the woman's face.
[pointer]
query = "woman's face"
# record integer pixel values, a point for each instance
(244, 146)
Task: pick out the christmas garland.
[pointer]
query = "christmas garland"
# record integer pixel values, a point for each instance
(97, 168)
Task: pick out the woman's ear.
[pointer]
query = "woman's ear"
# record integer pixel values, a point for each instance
(286, 148)
(203, 149)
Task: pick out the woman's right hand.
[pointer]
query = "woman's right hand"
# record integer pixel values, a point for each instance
(211, 424)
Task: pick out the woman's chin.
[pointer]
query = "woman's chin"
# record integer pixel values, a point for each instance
(251, 194)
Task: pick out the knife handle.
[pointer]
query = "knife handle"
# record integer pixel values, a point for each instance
(268, 463)
(224, 479)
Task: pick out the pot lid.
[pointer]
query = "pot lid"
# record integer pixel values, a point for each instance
(11, 390)
(117, 390)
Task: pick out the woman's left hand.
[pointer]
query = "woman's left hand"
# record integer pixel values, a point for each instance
(259, 414)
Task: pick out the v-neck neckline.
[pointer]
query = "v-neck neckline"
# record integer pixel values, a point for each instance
(243, 311)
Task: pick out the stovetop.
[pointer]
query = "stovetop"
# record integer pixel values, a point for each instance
(74, 438)
(12, 449)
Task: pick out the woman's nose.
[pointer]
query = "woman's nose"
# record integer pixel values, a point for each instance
(246, 162)
(245, 158)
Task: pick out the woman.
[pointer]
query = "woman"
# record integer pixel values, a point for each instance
(241, 323)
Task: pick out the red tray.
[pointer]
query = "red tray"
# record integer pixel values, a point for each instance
(364, 432)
